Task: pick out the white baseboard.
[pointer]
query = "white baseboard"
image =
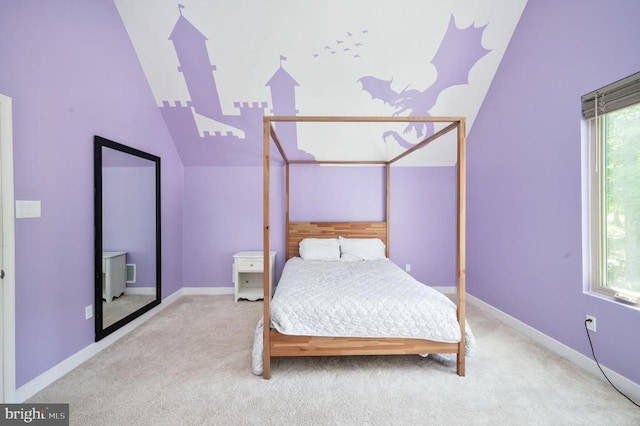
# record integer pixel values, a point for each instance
(214, 291)
(627, 386)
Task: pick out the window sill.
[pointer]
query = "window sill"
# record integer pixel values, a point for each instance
(608, 297)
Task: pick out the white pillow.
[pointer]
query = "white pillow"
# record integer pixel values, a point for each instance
(361, 248)
(319, 249)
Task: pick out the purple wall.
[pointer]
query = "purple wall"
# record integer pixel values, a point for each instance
(72, 73)
(223, 215)
(339, 193)
(524, 155)
(423, 223)
(128, 212)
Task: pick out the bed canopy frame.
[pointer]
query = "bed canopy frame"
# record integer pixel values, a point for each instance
(281, 345)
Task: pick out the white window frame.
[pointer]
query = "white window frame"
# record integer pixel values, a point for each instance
(615, 96)
(597, 214)
(597, 237)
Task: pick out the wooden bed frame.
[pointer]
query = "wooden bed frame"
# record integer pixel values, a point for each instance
(281, 345)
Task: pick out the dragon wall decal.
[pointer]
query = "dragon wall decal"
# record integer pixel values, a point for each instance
(459, 51)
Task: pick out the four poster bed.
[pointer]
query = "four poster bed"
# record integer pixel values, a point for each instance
(319, 309)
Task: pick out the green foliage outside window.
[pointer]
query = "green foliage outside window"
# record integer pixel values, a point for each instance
(622, 200)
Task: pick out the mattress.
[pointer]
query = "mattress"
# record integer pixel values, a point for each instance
(374, 298)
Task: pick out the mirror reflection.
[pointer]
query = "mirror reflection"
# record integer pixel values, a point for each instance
(127, 234)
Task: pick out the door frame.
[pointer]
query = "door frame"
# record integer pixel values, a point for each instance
(8, 253)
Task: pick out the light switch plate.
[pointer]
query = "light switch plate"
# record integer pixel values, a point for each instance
(28, 209)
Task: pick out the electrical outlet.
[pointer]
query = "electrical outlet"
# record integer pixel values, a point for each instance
(591, 325)
(407, 267)
(88, 312)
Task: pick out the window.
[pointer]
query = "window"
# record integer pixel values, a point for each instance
(614, 122)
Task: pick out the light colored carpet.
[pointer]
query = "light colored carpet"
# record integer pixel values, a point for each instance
(191, 365)
(122, 306)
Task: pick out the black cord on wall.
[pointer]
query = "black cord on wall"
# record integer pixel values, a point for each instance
(601, 370)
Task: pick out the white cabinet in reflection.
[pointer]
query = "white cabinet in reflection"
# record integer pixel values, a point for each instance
(114, 274)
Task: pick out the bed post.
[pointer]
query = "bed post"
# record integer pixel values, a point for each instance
(266, 354)
(387, 197)
(286, 211)
(461, 257)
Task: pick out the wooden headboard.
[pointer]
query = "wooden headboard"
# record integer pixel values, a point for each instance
(299, 230)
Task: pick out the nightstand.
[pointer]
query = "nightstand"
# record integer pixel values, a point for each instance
(248, 274)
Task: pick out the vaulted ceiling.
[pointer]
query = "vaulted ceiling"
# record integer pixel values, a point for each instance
(215, 68)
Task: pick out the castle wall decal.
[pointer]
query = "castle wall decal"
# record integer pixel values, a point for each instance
(209, 130)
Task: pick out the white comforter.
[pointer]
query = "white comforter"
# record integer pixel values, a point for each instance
(358, 299)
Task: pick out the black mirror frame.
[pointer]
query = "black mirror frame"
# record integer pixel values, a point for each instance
(99, 143)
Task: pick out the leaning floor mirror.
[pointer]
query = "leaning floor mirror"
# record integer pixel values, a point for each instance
(127, 234)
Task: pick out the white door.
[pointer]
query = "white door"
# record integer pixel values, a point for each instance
(7, 254)
(2, 273)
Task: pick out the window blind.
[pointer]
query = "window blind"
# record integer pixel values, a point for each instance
(611, 97)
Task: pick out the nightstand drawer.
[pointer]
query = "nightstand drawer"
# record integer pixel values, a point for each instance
(250, 265)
